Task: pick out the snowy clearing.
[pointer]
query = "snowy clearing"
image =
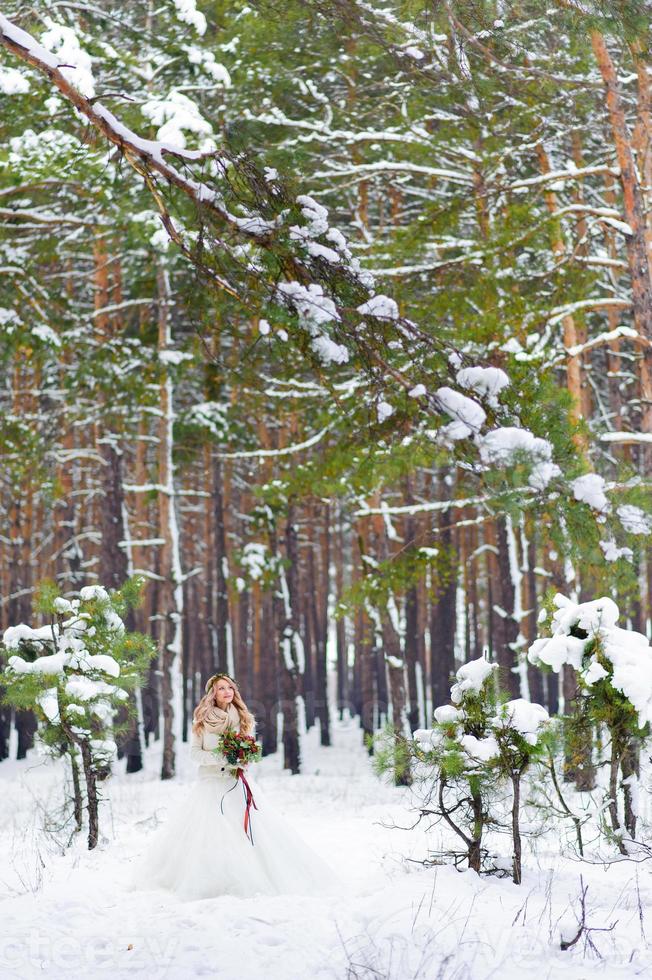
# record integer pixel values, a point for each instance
(68, 914)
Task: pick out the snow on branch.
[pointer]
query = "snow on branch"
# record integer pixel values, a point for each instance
(558, 313)
(553, 176)
(286, 451)
(626, 438)
(435, 505)
(43, 217)
(396, 166)
(604, 338)
(138, 151)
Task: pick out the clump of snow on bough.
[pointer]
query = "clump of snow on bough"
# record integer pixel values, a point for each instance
(468, 416)
(506, 445)
(470, 678)
(585, 636)
(315, 309)
(485, 381)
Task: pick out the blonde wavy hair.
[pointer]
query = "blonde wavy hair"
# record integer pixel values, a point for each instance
(209, 701)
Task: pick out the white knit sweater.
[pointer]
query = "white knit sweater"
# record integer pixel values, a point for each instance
(200, 752)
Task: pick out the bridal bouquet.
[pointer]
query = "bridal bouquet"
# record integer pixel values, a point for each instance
(239, 749)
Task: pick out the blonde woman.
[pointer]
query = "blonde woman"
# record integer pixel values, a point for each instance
(220, 709)
(225, 838)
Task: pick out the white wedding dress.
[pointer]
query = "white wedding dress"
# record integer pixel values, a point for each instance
(202, 851)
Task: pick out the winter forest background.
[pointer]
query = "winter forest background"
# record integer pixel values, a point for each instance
(331, 321)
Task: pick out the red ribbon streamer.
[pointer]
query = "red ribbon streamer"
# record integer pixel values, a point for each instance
(249, 802)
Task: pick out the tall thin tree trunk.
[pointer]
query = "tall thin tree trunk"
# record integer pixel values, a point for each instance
(443, 621)
(169, 554)
(320, 622)
(507, 656)
(411, 621)
(220, 569)
(291, 647)
(516, 830)
(630, 768)
(573, 362)
(534, 675)
(636, 242)
(343, 697)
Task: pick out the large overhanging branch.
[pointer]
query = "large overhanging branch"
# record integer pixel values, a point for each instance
(152, 160)
(138, 152)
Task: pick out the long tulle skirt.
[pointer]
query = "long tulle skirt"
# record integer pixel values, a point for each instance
(202, 851)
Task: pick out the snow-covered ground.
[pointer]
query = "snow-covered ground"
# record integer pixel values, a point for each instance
(68, 914)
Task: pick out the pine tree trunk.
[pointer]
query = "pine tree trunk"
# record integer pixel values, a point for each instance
(507, 657)
(411, 621)
(291, 744)
(473, 595)
(630, 768)
(573, 362)
(365, 656)
(343, 696)
(412, 654)
(220, 563)
(114, 555)
(474, 851)
(614, 766)
(552, 692)
(636, 242)
(269, 675)
(578, 736)
(443, 620)
(516, 830)
(395, 663)
(242, 653)
(5, 730)
(530, 601)
(320, 624)
(115, 571)
(287, 626)
(91, 794)
(209, 558)
(442, 654)
(26, 727)
(309, 649)
(171, 598)
(78, 803)
(190, 644)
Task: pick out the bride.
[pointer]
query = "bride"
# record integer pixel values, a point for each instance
(225, 838)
